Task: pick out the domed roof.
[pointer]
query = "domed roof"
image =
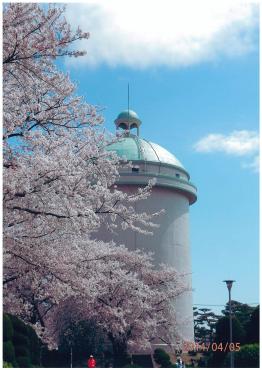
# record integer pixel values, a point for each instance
(150, 160)
(125, 115)
(133, 148)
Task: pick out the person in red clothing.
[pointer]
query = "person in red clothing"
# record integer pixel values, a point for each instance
(91, 362)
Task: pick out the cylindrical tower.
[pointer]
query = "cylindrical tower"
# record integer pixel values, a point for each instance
(173, 192)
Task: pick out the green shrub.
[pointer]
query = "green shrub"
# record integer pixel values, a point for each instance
(34, 345)
(7, 364)
(253, 327)
(162, 358)
(22, 351)
(20, 340)
(8, 351)
(248, 356)
(8, 330)
(18, 325)
(23, 361)
(24, 343)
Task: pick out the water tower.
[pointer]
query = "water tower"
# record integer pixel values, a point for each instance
(173, 192)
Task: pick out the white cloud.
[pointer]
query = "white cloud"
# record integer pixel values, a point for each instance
(253, 165)
(141, 33)
(238, 143)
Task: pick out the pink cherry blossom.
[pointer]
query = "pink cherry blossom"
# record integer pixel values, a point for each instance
(59, 188)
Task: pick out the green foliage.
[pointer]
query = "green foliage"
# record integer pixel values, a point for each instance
(20, 339)
(222, 331)
(34, 345)
(18, 325)
(24, 344)
(248, 356)
(240, 311)
(8, 351)
(252, 327)
(7, 364)
(204, 324)
(162, 358)
(245, 328)
(22, 351)
(8, 330)
(223, 336)
(23, 361)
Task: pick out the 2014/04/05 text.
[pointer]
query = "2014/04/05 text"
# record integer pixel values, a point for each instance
(222, 347)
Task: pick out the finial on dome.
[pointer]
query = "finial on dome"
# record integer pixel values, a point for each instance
(127, 120)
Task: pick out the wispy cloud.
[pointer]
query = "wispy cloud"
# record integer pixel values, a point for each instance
(139, 33)
(253, 165)
(238, 143)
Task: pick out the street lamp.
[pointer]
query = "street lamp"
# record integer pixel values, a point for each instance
(69, 338)
(229, 284)
(71, 356)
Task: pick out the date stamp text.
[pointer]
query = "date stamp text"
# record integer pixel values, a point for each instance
(214, 347)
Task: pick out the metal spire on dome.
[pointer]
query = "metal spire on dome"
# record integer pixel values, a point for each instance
(128, 100)
(128, 119)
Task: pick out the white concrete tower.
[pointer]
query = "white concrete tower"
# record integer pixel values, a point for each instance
(173, 192)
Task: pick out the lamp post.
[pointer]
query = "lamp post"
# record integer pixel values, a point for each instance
(69, 338)
(71, 356)
(229, 284)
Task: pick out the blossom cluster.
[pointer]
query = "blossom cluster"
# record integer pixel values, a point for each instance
(59, 188)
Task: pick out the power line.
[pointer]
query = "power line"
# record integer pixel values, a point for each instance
(220, 305)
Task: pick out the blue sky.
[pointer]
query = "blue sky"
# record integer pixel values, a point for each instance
(194, 84)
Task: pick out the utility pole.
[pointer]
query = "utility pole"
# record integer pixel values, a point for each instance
(229, 284)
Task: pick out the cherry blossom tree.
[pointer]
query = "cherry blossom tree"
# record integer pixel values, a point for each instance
(133, 302)
(35, 93)
(59, 187)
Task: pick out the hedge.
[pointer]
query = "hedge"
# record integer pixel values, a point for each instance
(8, 330)
(162, 358)
(23, 361)
(8, 351)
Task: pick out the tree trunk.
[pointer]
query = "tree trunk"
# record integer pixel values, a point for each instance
(119, 351)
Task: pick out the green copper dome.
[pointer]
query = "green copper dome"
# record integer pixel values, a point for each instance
(125, 115)
(133, 148)
(149, 160)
